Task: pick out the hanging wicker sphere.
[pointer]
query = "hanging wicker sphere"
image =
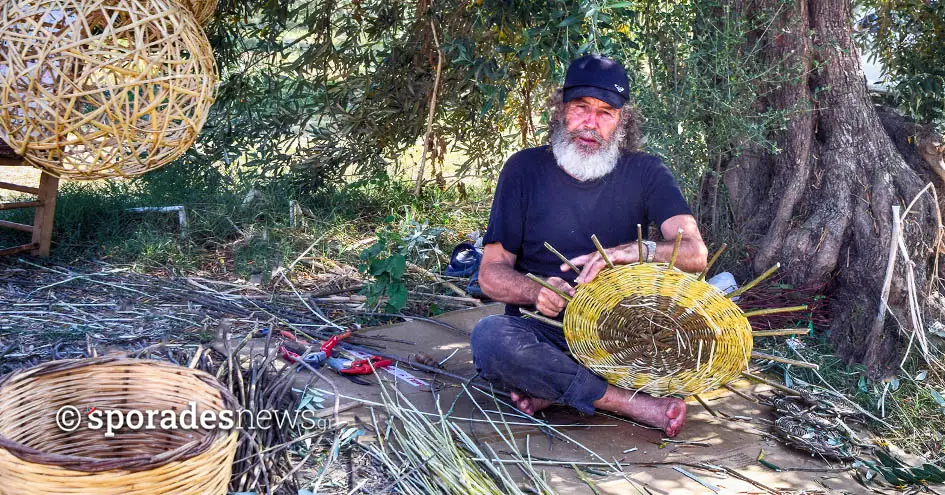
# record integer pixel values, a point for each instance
(656, 329)
(201, 9)
(102, 88)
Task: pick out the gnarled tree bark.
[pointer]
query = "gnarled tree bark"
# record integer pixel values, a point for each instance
(822, 206)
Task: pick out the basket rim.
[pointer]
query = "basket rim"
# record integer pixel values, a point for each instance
(131, 463)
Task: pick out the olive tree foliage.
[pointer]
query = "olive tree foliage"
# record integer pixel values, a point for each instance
(908, 38)
(324, 88)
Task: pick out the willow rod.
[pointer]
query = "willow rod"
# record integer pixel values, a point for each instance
(783, 331)
(543, 319)
(641, 259)
(754, 282)
(562, 258)
(769, 311)
(794, 362)
(550, 287)
(600, 249)
(672, 259)
(712, 261)
(771, 383)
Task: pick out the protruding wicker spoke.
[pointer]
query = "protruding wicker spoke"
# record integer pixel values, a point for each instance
(793, 362)
(754, 282)
(768, 311)
(600, 249)
(770, 383)
(550, 287)
(739, 393)
(704, 405)
(783, 331)
(672, 259)
(640, 243)
(562, 258)
(542, 318)
(712, 261)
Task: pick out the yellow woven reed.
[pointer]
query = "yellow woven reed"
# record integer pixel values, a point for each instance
(659, 330)
(102, 88)
(36, 457)
(201, 9)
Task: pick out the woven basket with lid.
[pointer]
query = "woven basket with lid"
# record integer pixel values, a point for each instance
(37, 457)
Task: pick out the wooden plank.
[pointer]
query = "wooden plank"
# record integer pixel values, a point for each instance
(17, 249)
(16, 226)
(24, 204)
(12, 162)
(19, 188)
(43, 219)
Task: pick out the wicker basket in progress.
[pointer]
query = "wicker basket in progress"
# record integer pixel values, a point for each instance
(37, 457)
(656, 329)
(102, 88)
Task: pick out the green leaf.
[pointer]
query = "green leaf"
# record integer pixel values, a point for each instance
(894, 384)
(618, 5)
(888, 459)
(396, 297)
(397, 265)
(906, 474)
(380, 266)
(569, 21)
(937, 396)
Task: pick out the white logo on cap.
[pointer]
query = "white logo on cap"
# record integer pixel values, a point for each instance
(619, 88)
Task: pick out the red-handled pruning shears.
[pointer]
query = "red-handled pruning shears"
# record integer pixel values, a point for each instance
(360, 366)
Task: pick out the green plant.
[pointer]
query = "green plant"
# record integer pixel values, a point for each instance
(386, 262)
(906, 38)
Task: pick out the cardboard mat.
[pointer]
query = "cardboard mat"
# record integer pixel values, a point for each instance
(646, 458)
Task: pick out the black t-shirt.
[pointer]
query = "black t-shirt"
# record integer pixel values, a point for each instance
(537, 202)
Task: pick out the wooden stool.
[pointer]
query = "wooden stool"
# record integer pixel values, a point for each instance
(44, 205)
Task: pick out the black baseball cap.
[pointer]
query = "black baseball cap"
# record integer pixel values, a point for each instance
(598, 77)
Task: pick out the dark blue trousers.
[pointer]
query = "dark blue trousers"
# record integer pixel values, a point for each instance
(529, 356)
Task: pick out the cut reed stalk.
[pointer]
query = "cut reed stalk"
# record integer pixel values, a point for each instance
(783, 331)
(793, 362)
(754, 282)
(543, 319)
(672, 258)
(712, 261)
(548, 286)
(640, 256)
(562, 258)
(600, 249)
(769, 311)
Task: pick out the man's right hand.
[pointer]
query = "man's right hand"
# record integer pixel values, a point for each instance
(549, 303)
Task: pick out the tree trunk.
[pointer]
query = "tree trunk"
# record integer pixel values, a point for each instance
(822, 205)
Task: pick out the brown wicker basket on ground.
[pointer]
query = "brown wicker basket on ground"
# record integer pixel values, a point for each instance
(38, 457)
(103, 88)
(659, 330)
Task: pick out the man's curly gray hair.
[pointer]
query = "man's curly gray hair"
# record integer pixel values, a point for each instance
(630, 121)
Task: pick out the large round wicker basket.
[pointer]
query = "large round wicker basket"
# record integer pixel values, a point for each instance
(39, 457)
(201, 9)
(90, 90)
(656, 329)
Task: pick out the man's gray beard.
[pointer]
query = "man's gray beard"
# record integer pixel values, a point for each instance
(580, 164)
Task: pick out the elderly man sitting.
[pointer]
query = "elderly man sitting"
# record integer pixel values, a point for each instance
(591, 179)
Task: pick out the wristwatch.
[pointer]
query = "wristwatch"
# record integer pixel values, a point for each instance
(650, 251)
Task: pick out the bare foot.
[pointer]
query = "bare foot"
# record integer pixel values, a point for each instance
(665, 413)
(529, 405)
